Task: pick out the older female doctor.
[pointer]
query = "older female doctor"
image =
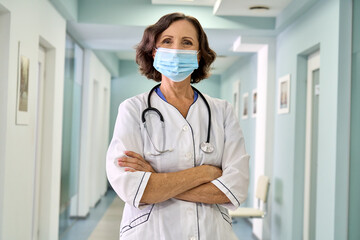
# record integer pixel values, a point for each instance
(177, 158)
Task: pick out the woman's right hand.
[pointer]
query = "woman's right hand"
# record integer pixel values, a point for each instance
(134, 162)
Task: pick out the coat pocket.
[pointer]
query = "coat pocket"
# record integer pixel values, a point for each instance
(137, 220)
(224, 213)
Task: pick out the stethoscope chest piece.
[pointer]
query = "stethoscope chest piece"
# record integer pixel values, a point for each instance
(207, 147)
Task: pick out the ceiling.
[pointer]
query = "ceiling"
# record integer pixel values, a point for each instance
(185, 2)
(243, 7)
(122, 38)
(234, 7)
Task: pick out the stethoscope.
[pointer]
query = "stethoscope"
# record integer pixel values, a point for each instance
(206, 147)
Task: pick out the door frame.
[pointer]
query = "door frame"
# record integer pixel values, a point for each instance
(37, 192)
(313, 64)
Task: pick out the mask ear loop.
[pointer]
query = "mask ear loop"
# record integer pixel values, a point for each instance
(198, 56)
(154, 52)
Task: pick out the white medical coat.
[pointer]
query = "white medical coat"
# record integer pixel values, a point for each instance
(176, 219)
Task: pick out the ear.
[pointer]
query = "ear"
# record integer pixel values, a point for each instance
(153, 53)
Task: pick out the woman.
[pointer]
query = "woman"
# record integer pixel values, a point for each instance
(176, 185)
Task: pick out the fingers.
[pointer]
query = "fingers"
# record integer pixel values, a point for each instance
(134, 155)
(130, 170)
(132, 163)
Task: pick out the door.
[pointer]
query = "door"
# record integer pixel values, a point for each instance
(70, 153)
(311, 146)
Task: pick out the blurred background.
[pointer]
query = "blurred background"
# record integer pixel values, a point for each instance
(290, 68)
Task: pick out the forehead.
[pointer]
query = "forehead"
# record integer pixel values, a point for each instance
(182, 28)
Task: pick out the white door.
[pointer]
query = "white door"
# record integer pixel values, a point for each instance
(311, 146)
(36, 229)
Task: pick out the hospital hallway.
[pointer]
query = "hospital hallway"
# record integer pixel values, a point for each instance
(286, 71)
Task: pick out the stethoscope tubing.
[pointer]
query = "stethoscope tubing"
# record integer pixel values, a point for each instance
(209, 113)
(150, 108)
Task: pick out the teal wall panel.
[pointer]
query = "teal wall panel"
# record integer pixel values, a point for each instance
(67, 8)
(245, 71)
(306, 33)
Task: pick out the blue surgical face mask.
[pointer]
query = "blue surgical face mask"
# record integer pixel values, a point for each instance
(176, 64)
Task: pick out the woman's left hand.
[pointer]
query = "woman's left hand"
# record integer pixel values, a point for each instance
(134, 162)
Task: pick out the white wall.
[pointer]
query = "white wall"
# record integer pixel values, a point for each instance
(4, 55)
(94, 132)
(30, 21)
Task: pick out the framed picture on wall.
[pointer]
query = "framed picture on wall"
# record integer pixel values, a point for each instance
(245, 110)
(22, 103)
(284, 94)
(236, 97)
(254, 103)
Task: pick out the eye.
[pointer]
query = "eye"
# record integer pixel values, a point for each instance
(187, 42)
(166, 41)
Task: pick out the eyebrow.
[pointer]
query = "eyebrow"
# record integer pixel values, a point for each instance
(173, 37)
(189, 37)
(166, 36)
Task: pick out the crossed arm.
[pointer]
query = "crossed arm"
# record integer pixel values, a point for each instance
(193, 184)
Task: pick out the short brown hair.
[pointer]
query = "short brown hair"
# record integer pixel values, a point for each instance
(144, 49)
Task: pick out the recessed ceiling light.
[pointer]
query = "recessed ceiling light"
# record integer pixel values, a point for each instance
(259, 8)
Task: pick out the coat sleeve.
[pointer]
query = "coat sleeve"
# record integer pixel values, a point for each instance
(235, 162)
(129, 186)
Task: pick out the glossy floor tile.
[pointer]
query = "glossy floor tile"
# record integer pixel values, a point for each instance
(81, 229)
(109, 225)
(242, 229)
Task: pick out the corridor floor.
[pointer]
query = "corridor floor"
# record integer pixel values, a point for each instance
(104, 220)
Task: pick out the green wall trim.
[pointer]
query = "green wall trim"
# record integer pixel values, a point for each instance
(343, 121)
(299, 153)
(354, 190)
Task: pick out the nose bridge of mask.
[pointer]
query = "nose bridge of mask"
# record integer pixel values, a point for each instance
(178, 57)
(176, 64)
(174, 51)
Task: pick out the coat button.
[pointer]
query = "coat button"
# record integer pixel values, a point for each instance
(188, 155)
(185, 128)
